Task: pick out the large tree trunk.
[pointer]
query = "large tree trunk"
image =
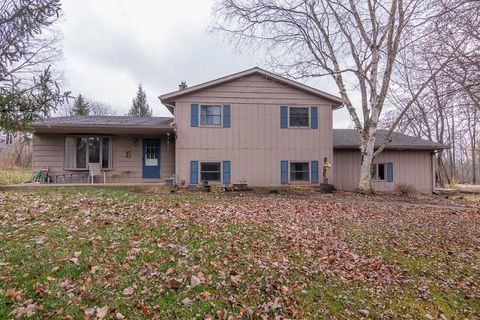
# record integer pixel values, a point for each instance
(474, 165)
(367, 151)
(473, 141)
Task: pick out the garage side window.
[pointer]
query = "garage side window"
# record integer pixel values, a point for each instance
(379, 171)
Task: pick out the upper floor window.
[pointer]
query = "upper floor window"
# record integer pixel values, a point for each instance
(210, 115)
(299, 117)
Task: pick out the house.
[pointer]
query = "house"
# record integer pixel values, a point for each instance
(252, 126)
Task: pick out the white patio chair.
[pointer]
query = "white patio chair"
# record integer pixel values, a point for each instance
(95, 170)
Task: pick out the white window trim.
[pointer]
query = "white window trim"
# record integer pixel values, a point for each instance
(210, 181)
(87, 151)
(210, 125)
(309, 172)
(309, 118)
(375, 179)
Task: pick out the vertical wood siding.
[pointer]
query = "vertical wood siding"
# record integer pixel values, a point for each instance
(255, 144)
(410, 167)
(48, 151)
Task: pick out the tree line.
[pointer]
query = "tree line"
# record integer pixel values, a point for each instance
(30, 87)
(448, 110)
(84, 107)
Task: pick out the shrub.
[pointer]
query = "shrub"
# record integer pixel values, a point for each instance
(453, 182)
(17, 155)
(14, 175)
(405, 188)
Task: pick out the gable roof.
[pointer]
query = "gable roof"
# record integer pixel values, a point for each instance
(170, 97)
(350, 139)
(105, 121)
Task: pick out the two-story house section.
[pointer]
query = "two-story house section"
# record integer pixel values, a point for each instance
(252, 126)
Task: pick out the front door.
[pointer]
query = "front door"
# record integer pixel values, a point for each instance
(151, 158)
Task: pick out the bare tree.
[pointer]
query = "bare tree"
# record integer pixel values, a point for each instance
(446, 111)
(357, 43)
(95, 108)
(101, 109)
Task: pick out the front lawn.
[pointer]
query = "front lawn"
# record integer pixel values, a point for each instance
(115, 253)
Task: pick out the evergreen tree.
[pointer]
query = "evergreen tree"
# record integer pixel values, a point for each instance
(28, 89)
(140, 107)
(80, 107)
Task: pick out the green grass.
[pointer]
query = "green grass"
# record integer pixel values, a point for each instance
(255, 256)
(14, 175)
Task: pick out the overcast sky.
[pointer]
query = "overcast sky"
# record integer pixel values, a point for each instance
(112, 46)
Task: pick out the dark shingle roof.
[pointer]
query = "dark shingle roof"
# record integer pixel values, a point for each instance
(105, 121)
(349, 139)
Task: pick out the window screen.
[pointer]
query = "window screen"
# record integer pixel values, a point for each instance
(299, 171)
(379, 171)
(82, 153)
(81, 150)
(298, 117)
(211, 115)
(94, 150)
(210, 171)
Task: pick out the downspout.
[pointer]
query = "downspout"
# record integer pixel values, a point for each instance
(171, 108)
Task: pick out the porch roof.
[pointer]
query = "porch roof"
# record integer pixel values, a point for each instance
(104, 124)
(350, 139)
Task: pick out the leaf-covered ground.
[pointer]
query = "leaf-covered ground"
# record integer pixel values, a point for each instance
(119, 254)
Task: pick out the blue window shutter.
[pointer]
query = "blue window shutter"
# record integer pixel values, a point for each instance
(284, 171)
(389, 171)
(226, 172)
(226, 116)
(193, 172)
(314, 115)
(194, 115)
(315, 171)
(283, 117)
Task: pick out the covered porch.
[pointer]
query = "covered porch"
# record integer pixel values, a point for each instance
(121, 149)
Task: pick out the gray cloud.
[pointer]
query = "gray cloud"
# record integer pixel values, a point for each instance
(111, 46)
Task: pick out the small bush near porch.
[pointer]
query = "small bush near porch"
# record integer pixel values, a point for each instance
(114, 253)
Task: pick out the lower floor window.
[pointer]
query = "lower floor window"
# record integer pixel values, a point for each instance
(210, 171)
(299, 171)
(81, 150)
(379, 171)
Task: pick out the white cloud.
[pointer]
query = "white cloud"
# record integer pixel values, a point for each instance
(111, 46)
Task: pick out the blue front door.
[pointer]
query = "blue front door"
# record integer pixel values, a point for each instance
(151, 158)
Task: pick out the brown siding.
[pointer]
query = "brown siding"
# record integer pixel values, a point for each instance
(411, 167)
(49, 152)
(255, 144)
